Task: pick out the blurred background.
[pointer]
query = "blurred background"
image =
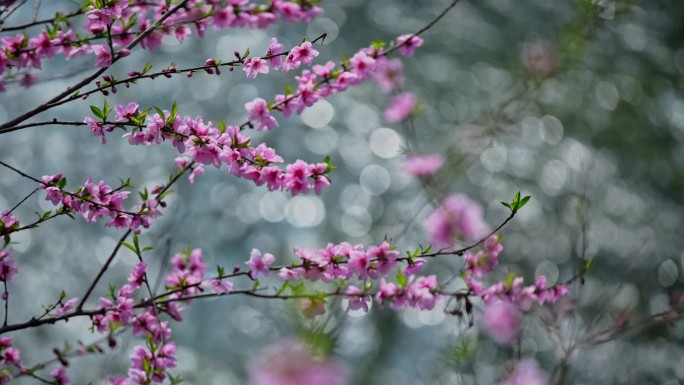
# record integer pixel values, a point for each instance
(582, 109)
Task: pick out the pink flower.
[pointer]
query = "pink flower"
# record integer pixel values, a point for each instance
(388, 74)
(198, 170)
(481, 262)
(274, 49)
(255, 66)
(423, 165)
(125, 112)
(312, 308)
(60, 376)
(137, 275)
(11, 356)
(221, 286)
(501, 321)
(289, 362)
(408, 44)
(456, 217)
(538, 58)
(527, 372)
(95, 128)
(260, 113)
(304, 53)
(104, 56)
(27, 80)
(7, 267)
(66, 307)
(259, 265)
(357, 298)
(400, 107)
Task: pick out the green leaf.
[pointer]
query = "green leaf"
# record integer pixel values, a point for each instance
(129, 246)
(159, 111)
(136, 242)
(174, 111)
(282, 288)
(97, 112)
(523, 202)
(401, 279)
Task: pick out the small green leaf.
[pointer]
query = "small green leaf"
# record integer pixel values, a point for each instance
(129, 246)
(282, 288)
(97, 112)
(523, 202)
(174, 111)
(159, 111)
(401, 279)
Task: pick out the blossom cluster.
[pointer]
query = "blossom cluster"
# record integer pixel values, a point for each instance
(458, 216)
(150, 362)
(95, 201)
(505, 301)
(201, 143)
(8, 268)
(121, 21)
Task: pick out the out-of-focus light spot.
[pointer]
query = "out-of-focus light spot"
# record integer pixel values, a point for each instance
(249, 320)
(521, 162)
(305, 211)
(432, 317)
(607, 95)
(246, 208)
(494, 158)
(553, 130)
(356, 225)
(321, 141)
(410, 318)
(354, 199)
(532, 133)
(358, 338)
(271, 206)
(576, 155)
(478, 175)
(668, 273)
(187, 359)
(239, 94)
(208, 90)
(361, 118)
(354, 150)
(320, 26)
(319, 115)
(626, 298)
(375, 179)
(385, 142)
(21, 241)
(634, 37)
(659, 303)
(554, 176)
(220, 196)
(549, 270)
